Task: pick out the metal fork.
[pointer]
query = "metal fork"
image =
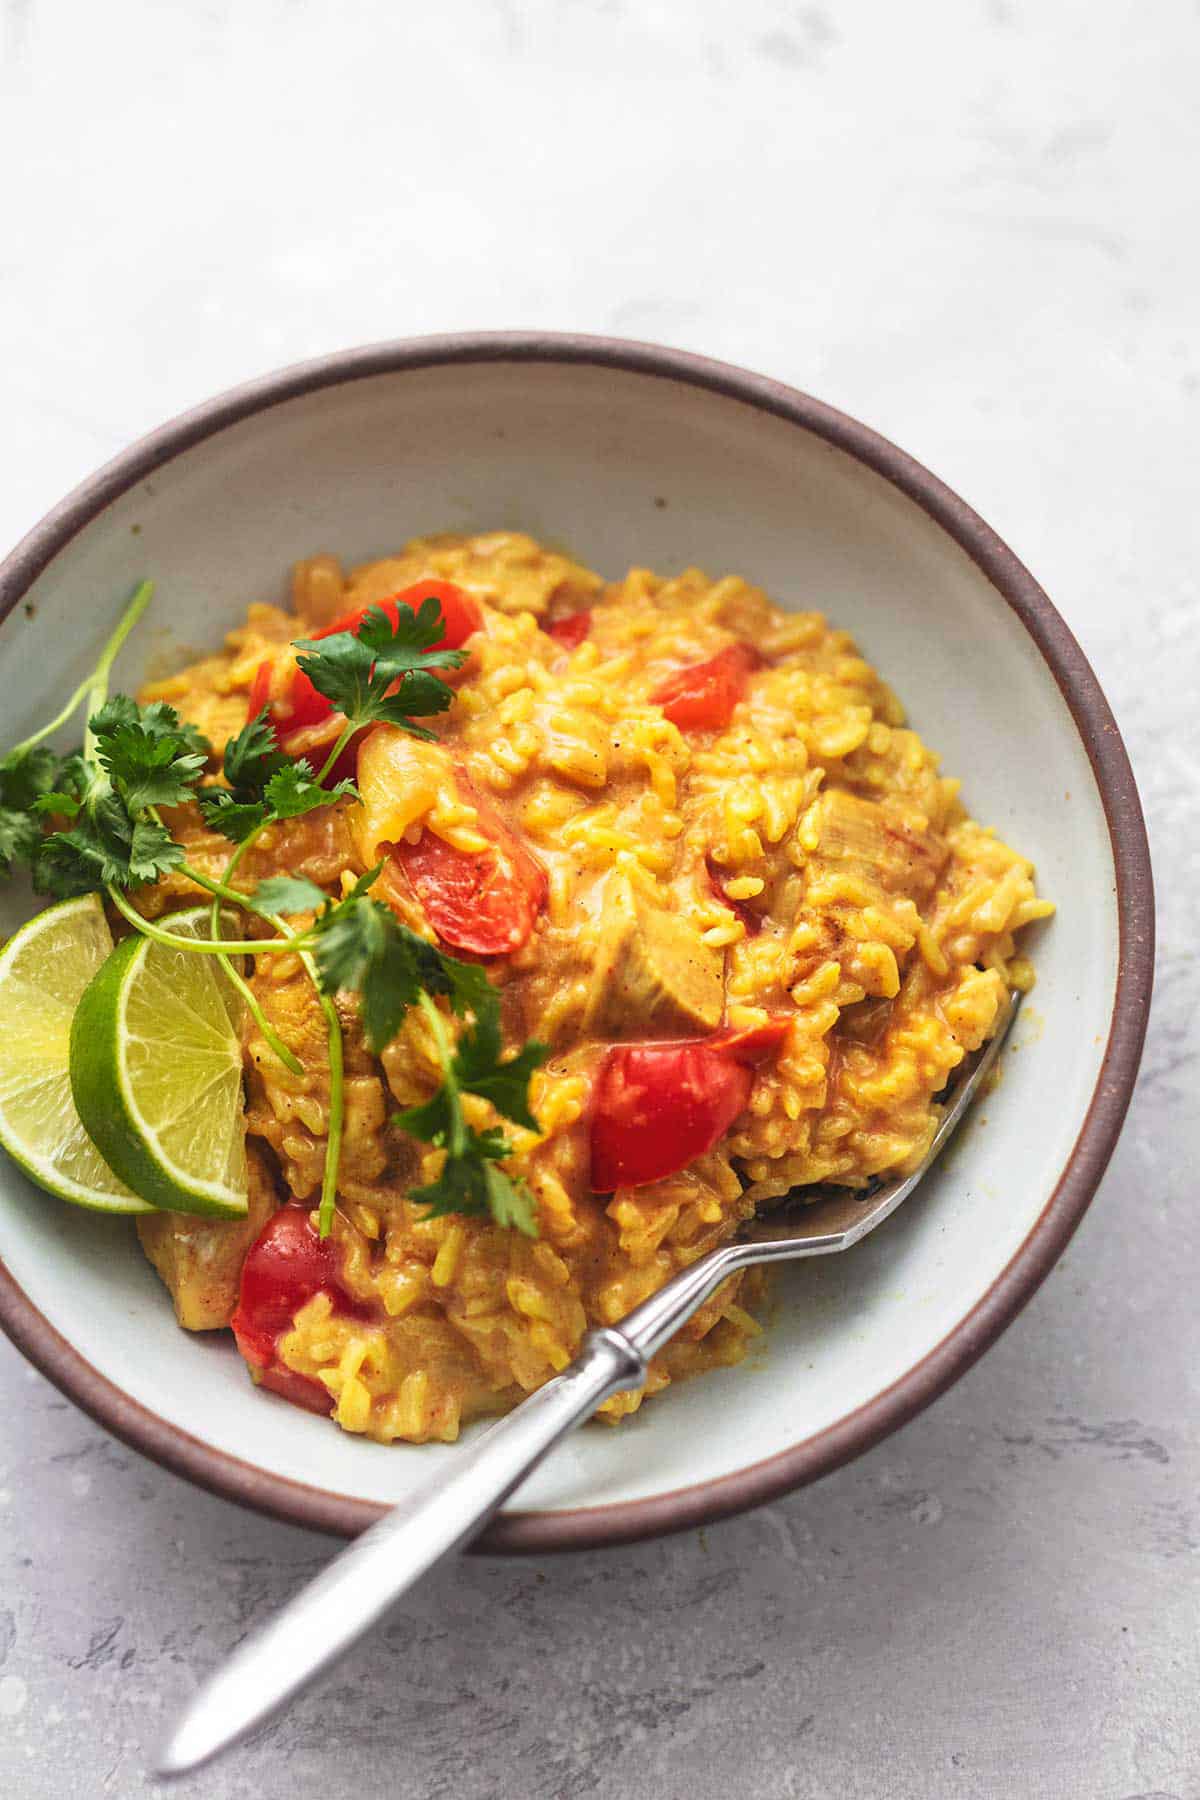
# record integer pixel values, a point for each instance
(443, 1514)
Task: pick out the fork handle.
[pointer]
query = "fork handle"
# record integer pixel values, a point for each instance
(359, 1586)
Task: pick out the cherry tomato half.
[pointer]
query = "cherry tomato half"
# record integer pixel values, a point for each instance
(286, 1265)
(485, 903)
(702, 697)
(571, 629)
(659, 1106)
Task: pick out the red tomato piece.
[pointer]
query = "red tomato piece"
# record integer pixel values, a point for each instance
(702, 697)
(299, 703)
(746, 914)
(286, 1265)
(658, 1107)
(260, 689)
(460, 612)
(298, 1389)
(487, 903)
(571, 630)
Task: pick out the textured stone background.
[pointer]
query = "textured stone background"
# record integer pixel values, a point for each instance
(973, 223)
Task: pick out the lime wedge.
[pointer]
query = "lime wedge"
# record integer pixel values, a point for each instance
(44, 969)
(156, 1071)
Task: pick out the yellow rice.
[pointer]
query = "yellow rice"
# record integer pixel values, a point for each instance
(888, 922)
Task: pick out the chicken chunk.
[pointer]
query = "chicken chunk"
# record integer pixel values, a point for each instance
(200, 1260)
(652, 973)
(893, 844)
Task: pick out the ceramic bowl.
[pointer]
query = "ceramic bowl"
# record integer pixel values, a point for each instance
(627, 454)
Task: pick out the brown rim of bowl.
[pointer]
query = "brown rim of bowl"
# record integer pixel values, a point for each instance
(591, 1527)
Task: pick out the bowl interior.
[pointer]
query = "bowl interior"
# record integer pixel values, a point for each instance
(621, 468)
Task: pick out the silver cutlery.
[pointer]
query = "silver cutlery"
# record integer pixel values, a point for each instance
(445, 1513)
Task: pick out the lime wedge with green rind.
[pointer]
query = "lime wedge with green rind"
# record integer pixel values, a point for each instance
(44, 969)
(156, 1071)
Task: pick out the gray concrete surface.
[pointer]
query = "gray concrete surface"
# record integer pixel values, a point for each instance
(973, 223)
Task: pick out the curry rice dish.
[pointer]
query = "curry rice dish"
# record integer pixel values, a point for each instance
(706, 864)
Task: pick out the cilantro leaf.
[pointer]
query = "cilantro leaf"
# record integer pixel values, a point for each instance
(361, 945)
(93, 852)
(409, 642)
(117, 710)
(25, 776)
(471, 1183)
(151, 757)
(467, 987)
(104, 847)
(510, 1202)
(347, 675)
(291, 791)
(364, 884)
(149, 770)
(478, 1069)
(72, 783)
(152, 853)
(158, 720)
(263, 783)
(57, 804)
(419, 695)
(19, 837)
(252, 757)
(66, 864)
(460, 1188)
(287, 894)
(432, 1121)
(234, 819)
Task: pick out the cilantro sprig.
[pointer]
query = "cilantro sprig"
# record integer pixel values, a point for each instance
(135, 759)
(471, 1180)
(382, 672)
(359, 945)
(32, 774)
(264, 785)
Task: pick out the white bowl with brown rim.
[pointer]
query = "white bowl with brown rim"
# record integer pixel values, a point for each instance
(626, 453)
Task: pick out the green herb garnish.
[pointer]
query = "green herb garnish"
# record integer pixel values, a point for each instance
(360, 946)
(105, 801)
(471, 1180)
(135, 759)
(357, 670)
(264, 786)
(26, 776)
